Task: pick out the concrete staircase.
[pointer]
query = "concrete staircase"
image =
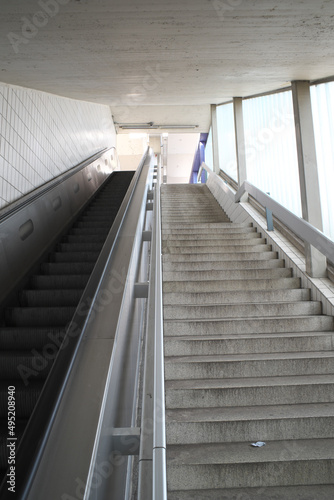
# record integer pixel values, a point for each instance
(248, 357)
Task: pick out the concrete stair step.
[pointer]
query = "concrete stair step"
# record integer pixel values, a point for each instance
(228, 274)
(203, 195)
(188, 198)
(230, 285)
(237, 297)
(202, 219)
(179, 207)
(300, 492)
(250, 424)
(189, 209)
(261, 391)
(290, 465)
(200, 194)
(196, 225)
(258, 246)
(229, 229)
(184, 199)
(241, 310)
(267, 324)
(174, 190)
(221, 265)
(252, 343)
(256, 253)
(208, 243)
(182, 213)
(183, 239)
(249, 365)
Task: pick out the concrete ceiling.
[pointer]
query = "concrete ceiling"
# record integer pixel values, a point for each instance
(164, 61)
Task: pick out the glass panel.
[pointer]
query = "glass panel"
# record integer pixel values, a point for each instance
(323, 111)
(226, 138)
(271, 153)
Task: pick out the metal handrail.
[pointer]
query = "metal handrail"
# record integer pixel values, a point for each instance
(37, 433)
(152, 483)
(159, 430)
(299, 226)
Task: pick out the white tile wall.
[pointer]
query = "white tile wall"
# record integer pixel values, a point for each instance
(43, 135)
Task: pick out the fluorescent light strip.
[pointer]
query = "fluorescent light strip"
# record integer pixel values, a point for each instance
(137, 126)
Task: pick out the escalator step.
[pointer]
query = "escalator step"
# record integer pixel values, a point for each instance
(89, 231)
(106, 202)
(67, 268)
(100, 206)
(48, 298)
(76, 238)
(95, 223)
(106, 199)
(38, 316)
(79, 247)
(95, 218)
(18, 365)
(107, 207)
(58, 282)
(22, 339)
(73, 257)
(92, 216)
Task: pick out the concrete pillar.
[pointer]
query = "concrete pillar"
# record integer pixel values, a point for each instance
(215, 146)
(240, 143)
(308, 172)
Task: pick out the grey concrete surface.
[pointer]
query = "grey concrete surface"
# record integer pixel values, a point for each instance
(248, 357)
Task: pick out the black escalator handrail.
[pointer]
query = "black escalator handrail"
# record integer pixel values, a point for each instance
(35, 437)
(49, 185)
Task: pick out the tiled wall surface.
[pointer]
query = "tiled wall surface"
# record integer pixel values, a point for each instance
(43, 135)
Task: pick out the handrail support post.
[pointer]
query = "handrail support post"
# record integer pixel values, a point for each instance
(269, 217)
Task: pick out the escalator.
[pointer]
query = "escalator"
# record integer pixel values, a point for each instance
(33, 326)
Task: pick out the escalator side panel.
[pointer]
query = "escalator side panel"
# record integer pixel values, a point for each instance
(26, 233)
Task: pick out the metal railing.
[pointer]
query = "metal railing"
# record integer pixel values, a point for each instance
(297, 225)
(152, 459)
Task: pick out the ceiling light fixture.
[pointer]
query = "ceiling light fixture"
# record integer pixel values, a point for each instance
(151, 125)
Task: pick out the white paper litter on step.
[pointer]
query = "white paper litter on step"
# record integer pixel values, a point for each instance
(258, 444)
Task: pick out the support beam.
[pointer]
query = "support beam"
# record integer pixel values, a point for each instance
(308, 172)
(215, 146)
(240, 143)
